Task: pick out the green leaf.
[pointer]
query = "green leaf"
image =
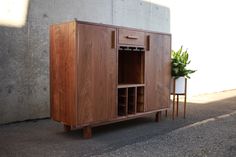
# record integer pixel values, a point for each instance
(179, 62)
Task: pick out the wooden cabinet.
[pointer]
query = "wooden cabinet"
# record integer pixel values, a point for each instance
(101, 74)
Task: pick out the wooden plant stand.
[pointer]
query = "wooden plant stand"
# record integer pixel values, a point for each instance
(176, 100)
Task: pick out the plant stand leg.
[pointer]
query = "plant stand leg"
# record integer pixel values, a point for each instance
(185, 98)
(158, 116)
(173, 110)
(67, 128)
(185, 106)
(177, 106)
(87, 132)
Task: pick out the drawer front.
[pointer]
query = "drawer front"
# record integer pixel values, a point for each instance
(131, 37)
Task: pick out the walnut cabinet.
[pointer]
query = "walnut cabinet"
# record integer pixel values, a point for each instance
(102, 74)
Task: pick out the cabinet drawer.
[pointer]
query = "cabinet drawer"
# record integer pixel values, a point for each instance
(131, 37)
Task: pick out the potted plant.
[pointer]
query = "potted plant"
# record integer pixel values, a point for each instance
(179, 71)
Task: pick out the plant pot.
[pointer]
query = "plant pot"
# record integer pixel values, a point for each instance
(179, 85)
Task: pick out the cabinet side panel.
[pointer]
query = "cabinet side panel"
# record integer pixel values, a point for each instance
(166, 70)
(54, 94)
(63, 72)
(160, 96)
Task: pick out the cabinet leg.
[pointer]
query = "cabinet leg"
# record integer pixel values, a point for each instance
(158, 116)
(67, 128)
(166, 113)
(87, 132)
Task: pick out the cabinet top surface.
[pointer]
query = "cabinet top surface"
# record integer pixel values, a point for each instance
(109, 25)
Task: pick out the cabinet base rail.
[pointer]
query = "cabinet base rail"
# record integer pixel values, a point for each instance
(87, 128)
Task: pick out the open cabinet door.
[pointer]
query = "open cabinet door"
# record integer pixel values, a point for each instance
(97, 73)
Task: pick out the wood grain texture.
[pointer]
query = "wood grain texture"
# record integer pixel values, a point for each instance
(97, 79)
(166, 69)
(140, 99)
(130, 85)
(152, 74)
(87, 132)
(157, 72)
(63, 72)
(131, 37)
(84, 73)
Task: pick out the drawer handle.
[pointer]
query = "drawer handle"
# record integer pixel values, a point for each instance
(131, 37)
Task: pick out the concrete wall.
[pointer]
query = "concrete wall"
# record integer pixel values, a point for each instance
(24, 52)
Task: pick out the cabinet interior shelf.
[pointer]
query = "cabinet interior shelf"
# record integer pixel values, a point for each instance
(130, 85)
(130, 101)
(131, 49)
(130, 80)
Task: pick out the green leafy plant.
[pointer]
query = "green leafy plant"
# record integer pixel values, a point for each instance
(180, 60)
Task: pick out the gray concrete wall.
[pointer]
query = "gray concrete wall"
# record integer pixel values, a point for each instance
(24, 52)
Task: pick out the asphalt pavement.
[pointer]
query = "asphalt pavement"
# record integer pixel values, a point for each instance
(208, 130)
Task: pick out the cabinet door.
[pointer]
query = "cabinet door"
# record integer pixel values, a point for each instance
(97, 76)
(157, 72)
